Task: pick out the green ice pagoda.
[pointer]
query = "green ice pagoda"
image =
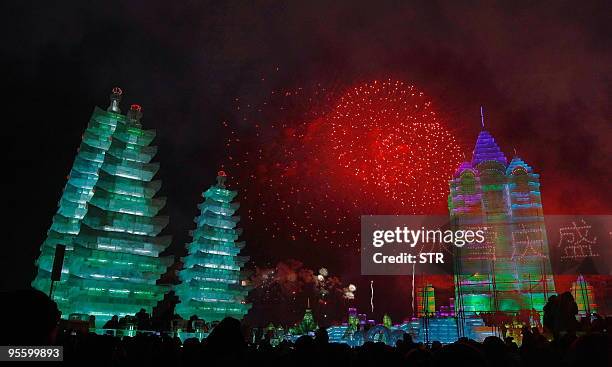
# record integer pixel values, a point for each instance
(212, 281)
(107, 219)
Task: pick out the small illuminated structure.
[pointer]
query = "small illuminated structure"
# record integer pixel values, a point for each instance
(584, 296)
(308, 323)
(338, 334)
(447, 311)
(108, 219)
(387, 322)
(443, 329)
(212, 285)
(426, 301)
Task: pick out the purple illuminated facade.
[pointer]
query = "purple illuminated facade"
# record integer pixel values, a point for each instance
(511, 270)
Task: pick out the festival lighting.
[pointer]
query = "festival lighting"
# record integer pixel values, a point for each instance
(511, 270)
(315, 160)
(108, 219)
(212, 284)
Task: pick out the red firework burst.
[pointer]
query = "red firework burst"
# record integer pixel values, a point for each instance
(387, 137)
(312, 162)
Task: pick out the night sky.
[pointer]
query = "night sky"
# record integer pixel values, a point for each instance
(542, 71)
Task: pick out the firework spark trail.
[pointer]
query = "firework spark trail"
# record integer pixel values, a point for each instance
(372, 295)
(412, 292)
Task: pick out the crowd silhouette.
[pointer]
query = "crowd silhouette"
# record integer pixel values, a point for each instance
(33, 319)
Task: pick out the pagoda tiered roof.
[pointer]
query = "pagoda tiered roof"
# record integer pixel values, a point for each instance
(487, 150)
(212, 279)
(108, 219)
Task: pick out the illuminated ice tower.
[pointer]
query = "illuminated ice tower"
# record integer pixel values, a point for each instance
(108, 220)
(426, 301)
(511, 270)
(212, 283)
(72, 206)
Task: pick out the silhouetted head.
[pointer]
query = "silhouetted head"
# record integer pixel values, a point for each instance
(417, 357)
(494, 347)
(452, 354)
(30, 318)
(227, 335)
(304, 344)
(436, 345)
(321, 336)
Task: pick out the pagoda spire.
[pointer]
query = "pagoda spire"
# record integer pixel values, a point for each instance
(134, 115)
(486, 148)
(221, 177)
(482, 117)
(115, 98)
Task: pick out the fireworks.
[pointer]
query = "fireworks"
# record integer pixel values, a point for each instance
(349, 292)
(386, 136)
(310, 162)
(290, 279)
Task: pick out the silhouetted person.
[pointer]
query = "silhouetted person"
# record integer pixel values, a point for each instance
(406, 343)
(436, 346)
(495, 350)
(321, 337)
(143, 320)
(560, 314)
(305, 351)
(418, 357)
(92, 321)
(226, 339)
(113, 323)
(460, 352)
(192, 320)
(590, 350)
(30, 318)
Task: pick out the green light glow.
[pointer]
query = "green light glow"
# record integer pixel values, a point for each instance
(107, 218)
(511, 271)
(584, 296)
(426, 301)
(212, 283)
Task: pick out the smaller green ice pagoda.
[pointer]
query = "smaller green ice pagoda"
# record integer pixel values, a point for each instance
(212, 281)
